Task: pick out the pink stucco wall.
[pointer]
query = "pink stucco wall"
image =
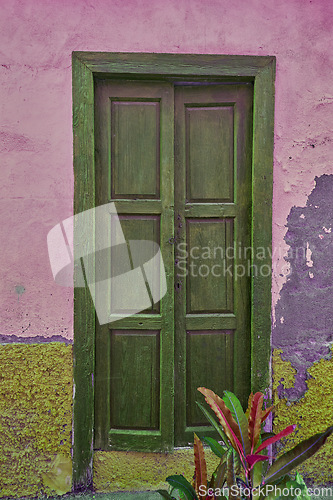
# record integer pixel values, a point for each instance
(36, 188)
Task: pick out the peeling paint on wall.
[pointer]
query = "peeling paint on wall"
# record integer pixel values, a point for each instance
(312, 413)
(36, 143)
(35, 415)
(37, 339)
(304, 320)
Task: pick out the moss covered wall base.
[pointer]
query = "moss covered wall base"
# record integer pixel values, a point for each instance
(133, 471)
(35, 419)
(311, 413)
(36, 424)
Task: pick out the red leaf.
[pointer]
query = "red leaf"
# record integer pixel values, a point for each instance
(265, 415)
(255, 419)
(225, 417)
(288, 430)
(200, 465)
(253, 459)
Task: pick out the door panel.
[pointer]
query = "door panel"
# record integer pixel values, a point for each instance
(209, 142)
(135, 148)
(135, 370)
(135, 228)
(134, 355)
(212, 219)
(201, 371)
(209, 269)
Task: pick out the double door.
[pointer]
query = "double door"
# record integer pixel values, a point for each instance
(175, 158)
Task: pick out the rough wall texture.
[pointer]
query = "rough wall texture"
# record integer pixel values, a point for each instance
(303, 332)
(36, 192)
(311, 413)
(35, 417)
(304, 322)
(118, 471)
(36, 189)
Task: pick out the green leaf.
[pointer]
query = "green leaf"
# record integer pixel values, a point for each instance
(165, 494)
(282, 485)
(297, 455)
(180, 483)
(215, 446)
(233, 403)
(273, 495)
(213, 422)
(298, 482)
(225, 417)
(237, 464)
(257, 473)
(230, 469)
(220, 474)
(266, 435)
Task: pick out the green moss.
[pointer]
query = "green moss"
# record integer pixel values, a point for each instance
(313, 413)
(119, 471)
(131, 471)
(35, 414)
(36, 420)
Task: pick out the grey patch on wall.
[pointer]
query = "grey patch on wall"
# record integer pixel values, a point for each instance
(38, 339)
(19, 289)
(304, 319)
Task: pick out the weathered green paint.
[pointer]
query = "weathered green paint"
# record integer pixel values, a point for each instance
(135, 379)
(209, 132)
(84, 313)
(35, 415)
(136, 139)
(177, 65)
(123, 166)
(214, 370)
(210, 238)
(262, 193)
(260, 71)
(213, 134)
(311, 414)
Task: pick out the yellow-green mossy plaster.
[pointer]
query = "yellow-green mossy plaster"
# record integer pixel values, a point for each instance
(35, 414)
(134, 471)
(312, 414)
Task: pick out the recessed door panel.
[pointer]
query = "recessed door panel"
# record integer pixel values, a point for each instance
(134, 371)
(209, 142)
(135, 149)
(210, 266)
(214, 371)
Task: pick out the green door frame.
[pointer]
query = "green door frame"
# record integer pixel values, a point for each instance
(87, 65)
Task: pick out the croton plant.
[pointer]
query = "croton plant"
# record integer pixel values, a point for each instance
(245, 471)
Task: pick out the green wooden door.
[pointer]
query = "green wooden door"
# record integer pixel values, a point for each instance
(213, 228)
(176, 160)
(134, 355)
